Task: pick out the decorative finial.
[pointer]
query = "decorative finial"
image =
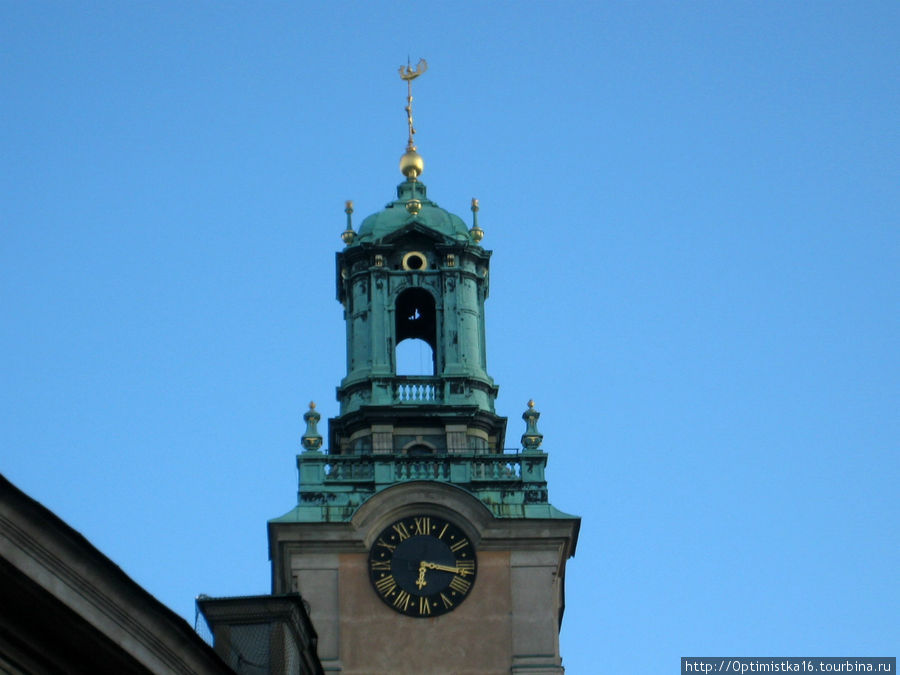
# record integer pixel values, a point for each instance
(532, 438)
(476, 232)
(312, 439)
(411, 164)
(347, 235)
(409, 75)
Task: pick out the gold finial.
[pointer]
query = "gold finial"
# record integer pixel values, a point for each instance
(411, 164)
(531, 403)
(476, 232)
(312, 405)
(348, 235)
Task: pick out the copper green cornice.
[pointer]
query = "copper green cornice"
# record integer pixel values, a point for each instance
(333, 487)
(512, 483)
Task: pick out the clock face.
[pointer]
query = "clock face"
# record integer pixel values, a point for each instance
(422, 566)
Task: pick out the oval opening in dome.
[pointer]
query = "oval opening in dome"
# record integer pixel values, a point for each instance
(414, 261)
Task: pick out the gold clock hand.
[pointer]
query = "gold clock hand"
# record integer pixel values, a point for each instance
(444, 568)
(420, 582)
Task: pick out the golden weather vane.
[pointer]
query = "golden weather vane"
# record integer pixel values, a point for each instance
(407, 73)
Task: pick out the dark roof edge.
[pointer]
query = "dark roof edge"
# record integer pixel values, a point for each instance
(28, 528)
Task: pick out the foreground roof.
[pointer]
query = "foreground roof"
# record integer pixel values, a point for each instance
(66, 607)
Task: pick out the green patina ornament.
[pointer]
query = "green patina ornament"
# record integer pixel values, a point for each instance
(312, 439)
(532, 438)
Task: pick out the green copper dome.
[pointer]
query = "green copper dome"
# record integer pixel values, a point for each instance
(411, 206)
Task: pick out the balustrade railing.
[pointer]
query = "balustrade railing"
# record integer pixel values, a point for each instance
(417, 389)
(391, 468)
(348, 469)
(504, 469)
(421, 469)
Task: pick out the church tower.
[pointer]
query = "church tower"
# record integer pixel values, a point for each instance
(421, 543)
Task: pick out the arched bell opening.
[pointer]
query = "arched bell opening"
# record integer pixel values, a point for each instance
(416, 333)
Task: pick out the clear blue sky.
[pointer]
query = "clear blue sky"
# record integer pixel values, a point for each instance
(693, 208)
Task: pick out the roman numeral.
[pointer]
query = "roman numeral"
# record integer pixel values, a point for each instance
(402, 600)
(441, 535)
(460, 585)
(465, 566)
(422, 525)
(384, 565)
(424, 607)
(462, 543)
(401, 530)
(386, 585)
(448, 603)
(382, 542)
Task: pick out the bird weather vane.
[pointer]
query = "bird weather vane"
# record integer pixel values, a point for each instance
(407, 73)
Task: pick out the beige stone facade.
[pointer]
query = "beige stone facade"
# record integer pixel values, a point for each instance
(509, 623)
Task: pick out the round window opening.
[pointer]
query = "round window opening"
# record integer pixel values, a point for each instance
(415, 261)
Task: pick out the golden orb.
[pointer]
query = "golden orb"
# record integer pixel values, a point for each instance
(411, 164)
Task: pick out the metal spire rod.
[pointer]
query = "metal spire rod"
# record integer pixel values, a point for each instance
(407, 73)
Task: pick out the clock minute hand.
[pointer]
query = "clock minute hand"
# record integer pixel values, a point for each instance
(442, 568)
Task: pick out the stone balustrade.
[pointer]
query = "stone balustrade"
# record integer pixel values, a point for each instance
(411, 389)
(361, 468)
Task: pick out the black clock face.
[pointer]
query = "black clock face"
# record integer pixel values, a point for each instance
(422, 566)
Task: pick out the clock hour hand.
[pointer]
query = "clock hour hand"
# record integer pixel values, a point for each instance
(420, 582)
(443, 568)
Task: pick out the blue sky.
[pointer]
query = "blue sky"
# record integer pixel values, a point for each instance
(693, 208)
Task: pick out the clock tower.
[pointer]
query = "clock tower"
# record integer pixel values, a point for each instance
(420, 541)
